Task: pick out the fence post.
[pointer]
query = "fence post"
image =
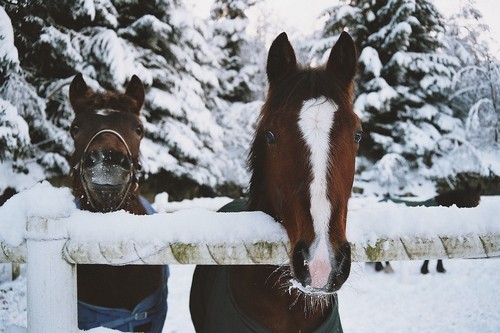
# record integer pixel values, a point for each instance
(52, 305)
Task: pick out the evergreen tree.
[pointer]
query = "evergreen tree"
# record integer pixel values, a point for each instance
(240, 55)
(109, 41)
(477, 77)
(403, 79)
(14, 137)
(29, 142)
(474, 97)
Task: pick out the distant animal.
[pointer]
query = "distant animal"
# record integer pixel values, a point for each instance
(302, 162)
(463, 197)
(8, 193)
(107, 133)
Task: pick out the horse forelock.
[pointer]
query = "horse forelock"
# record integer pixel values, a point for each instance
(108, 100)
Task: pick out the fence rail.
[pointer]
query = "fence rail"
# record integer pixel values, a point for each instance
(204, 237)
(141, 253)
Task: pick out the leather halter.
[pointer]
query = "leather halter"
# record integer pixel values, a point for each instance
(132, 172)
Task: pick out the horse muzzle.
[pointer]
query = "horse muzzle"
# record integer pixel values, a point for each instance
(106, 177)
(323, 275)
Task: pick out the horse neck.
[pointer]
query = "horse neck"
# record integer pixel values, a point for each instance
(262, 293)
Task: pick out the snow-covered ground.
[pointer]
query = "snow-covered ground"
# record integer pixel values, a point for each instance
(466, 299)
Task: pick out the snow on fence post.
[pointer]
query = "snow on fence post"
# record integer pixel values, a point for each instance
(51, 279)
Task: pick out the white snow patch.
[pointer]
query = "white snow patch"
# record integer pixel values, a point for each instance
(8, 52)
(41, 200)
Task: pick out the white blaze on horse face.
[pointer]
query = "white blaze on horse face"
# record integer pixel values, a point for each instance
(105, 112)
(315, 123)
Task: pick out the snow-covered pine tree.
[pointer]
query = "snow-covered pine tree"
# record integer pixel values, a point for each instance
(14, 136)
(241, 56)
(475, 98)
(242, 82)
(403, 78)
(466, 39)
(27, 139)
(109, 41)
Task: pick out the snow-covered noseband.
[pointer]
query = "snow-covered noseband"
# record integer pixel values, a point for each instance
(132, 179)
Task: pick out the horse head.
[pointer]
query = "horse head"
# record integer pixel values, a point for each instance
(107, 133)
(303, 159)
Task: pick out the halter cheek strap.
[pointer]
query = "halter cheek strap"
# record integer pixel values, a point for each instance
(132, 179)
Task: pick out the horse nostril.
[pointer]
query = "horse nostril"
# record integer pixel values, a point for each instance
(93, 157)
(120, 159)
(299, 263)
(343, 257)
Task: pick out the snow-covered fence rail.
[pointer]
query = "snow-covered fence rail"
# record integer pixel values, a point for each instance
(43, 228)
(150, 246)
(377, 231)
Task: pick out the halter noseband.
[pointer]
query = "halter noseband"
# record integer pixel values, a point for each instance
(132, 171)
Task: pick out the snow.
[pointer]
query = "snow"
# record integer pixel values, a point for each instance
(196, 225)
(463, 300)
(83, 8)
(8, 52)
(41, 200)
(14, 130)
(105, 46)
(19, 181)
(370, 59)
(162, 205)
(391, 220)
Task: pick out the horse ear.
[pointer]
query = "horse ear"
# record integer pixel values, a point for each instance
(135, 89)
(342, 62)
(78, 90)
(281, 59)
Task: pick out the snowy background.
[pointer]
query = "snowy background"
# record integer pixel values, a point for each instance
(427, 92)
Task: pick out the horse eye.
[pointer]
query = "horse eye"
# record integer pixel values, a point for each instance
(74, 130)
(270, 137)
(358, 136)
(139, 131)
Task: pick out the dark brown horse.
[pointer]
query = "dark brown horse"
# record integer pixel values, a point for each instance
(107, 133)
(302, 162)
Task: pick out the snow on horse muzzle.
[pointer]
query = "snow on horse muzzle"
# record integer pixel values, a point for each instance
(107, 170)
(318, 270)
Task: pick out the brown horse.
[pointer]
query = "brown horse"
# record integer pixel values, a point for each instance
(302, 161)
(107, 133)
